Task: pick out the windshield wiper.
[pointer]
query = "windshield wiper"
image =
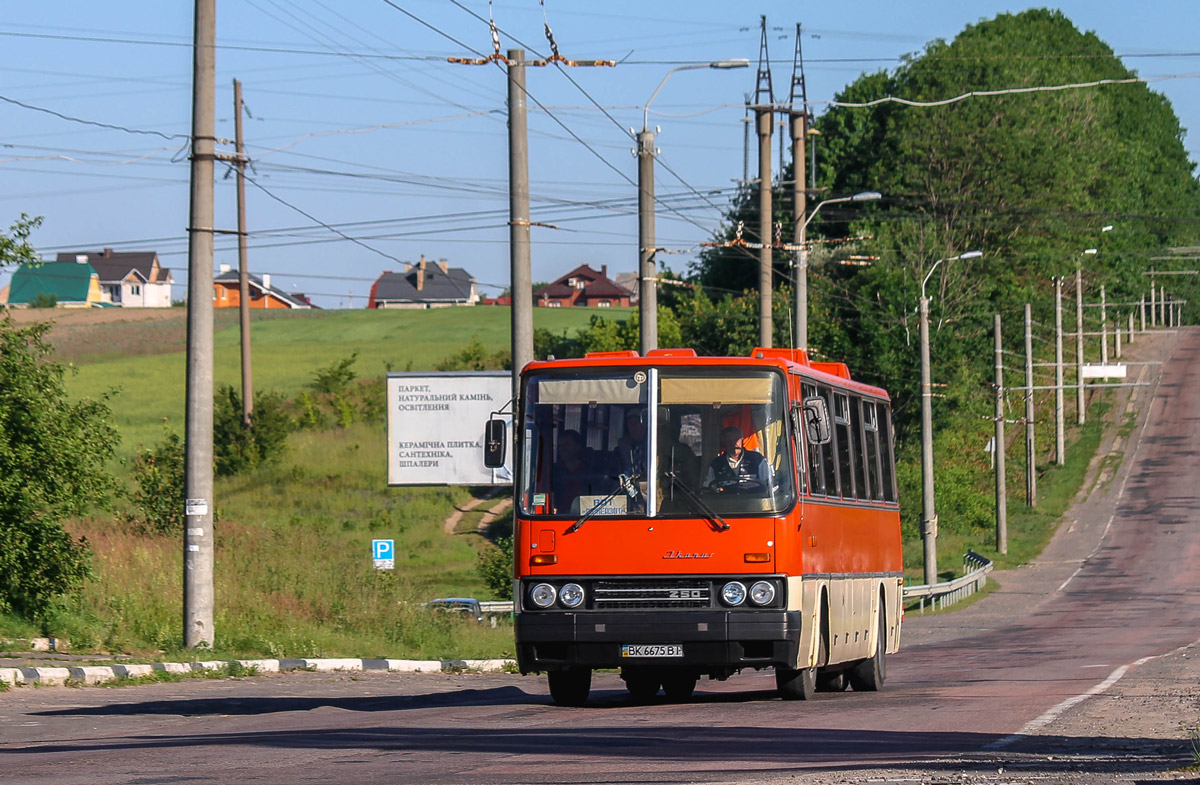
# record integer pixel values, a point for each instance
(699, 505)
(626, 483)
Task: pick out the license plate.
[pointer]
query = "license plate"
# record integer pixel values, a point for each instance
(652, 650)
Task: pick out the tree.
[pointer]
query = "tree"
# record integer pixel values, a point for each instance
(52, 456)
(238, 448)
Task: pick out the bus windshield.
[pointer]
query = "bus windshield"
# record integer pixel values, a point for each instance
(715, 437)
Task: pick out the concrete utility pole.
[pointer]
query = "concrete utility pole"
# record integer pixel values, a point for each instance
(1142, 310)
(1103, 327)
(1117, 337)
(1080, 401)
(1030, 447)
(243, 266)
(765, 115)
(1001, 480)
(647, 268)
(929, 521)
(198, 461)
(799, 123)
(1059, 424)
(648, 288)
(518, 230)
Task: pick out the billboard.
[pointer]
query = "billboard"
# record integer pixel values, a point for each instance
(436, 423)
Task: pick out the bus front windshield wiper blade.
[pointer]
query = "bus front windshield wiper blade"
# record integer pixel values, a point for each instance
(699, 505)
(625, 482)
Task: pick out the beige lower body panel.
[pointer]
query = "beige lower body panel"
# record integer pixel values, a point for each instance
(853, 607)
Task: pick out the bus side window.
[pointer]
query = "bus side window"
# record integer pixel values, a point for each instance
(845, 446)
(871, 434)
(885, 452)
(828, 459)
(862, 490)
(811, 455)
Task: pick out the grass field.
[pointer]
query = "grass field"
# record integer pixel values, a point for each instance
(287, 349)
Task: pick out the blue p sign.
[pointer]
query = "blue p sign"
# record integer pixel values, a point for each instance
(383, 549)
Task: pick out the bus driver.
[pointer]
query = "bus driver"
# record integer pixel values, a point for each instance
(736, 469)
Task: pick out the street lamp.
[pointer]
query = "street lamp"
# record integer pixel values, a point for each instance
(647, 289)
(929, 521)
(801, 337)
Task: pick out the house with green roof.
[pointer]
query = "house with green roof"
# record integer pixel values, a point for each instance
(72, 284)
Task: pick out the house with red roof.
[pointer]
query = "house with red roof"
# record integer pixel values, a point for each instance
(583, 287)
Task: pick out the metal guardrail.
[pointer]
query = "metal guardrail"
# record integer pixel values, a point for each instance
(942, 594)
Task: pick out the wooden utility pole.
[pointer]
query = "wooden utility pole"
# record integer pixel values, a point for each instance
(198, 446)
(1030, 447)
(243, 265)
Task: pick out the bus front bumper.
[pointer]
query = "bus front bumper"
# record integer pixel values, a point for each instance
(711, 640)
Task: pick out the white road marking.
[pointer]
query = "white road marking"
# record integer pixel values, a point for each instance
(1033, 726)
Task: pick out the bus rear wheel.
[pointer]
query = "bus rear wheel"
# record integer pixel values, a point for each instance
(642, 683)
(868, 675)
(832, 682)
(570, 687)
(679, 686)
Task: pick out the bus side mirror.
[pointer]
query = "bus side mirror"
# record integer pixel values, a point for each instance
(816, 421)
(493, 444)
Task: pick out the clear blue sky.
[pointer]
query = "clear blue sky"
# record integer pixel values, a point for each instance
(358, 120)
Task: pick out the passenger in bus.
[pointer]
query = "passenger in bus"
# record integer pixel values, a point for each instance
(678, 456)
(573, 471)
(736, 469)
(631, 447)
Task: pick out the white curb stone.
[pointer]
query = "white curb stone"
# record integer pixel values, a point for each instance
(132, 671)
(99, 674)
(328, 665)
(92, 674)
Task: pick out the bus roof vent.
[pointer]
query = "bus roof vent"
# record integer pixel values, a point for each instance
(795, 355)
(611, 355)
(671, 353)
(835, 369)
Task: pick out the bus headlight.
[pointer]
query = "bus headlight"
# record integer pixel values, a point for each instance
(733, 593)
(571, 595)
(542, 595)
(762, 593)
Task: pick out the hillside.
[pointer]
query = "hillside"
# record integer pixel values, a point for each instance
(141, 354)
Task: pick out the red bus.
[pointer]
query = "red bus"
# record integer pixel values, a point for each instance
(679, 517)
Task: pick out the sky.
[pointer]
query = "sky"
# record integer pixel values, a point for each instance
(368, 149)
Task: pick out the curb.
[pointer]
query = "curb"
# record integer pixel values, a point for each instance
(100, 674)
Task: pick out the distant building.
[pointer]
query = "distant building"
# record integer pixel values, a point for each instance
(130, 279)
(71, 284)
(583, 287)
(424, 285)
(629, 281)
(227, 292)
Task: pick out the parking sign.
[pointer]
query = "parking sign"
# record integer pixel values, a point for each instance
(384, 554)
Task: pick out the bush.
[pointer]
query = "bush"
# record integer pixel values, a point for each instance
(334, 377)
(159, 497)
(236, 447)
(44, 300)
(495, 566)
(52, 456)
(474, 357)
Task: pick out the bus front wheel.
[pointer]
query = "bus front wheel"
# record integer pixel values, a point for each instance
(570, 687)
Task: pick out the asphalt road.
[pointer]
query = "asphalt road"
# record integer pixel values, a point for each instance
(986, 694)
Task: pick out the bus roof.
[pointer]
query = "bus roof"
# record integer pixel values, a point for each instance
(789, 360)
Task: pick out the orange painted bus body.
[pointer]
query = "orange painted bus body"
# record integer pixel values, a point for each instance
(655, 584)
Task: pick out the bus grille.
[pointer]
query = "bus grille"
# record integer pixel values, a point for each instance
(625, 595)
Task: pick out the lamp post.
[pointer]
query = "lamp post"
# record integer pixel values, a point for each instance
(647, 288)
(929, 522)
(801, 336)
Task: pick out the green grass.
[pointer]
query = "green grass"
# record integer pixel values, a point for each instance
(286, 351)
